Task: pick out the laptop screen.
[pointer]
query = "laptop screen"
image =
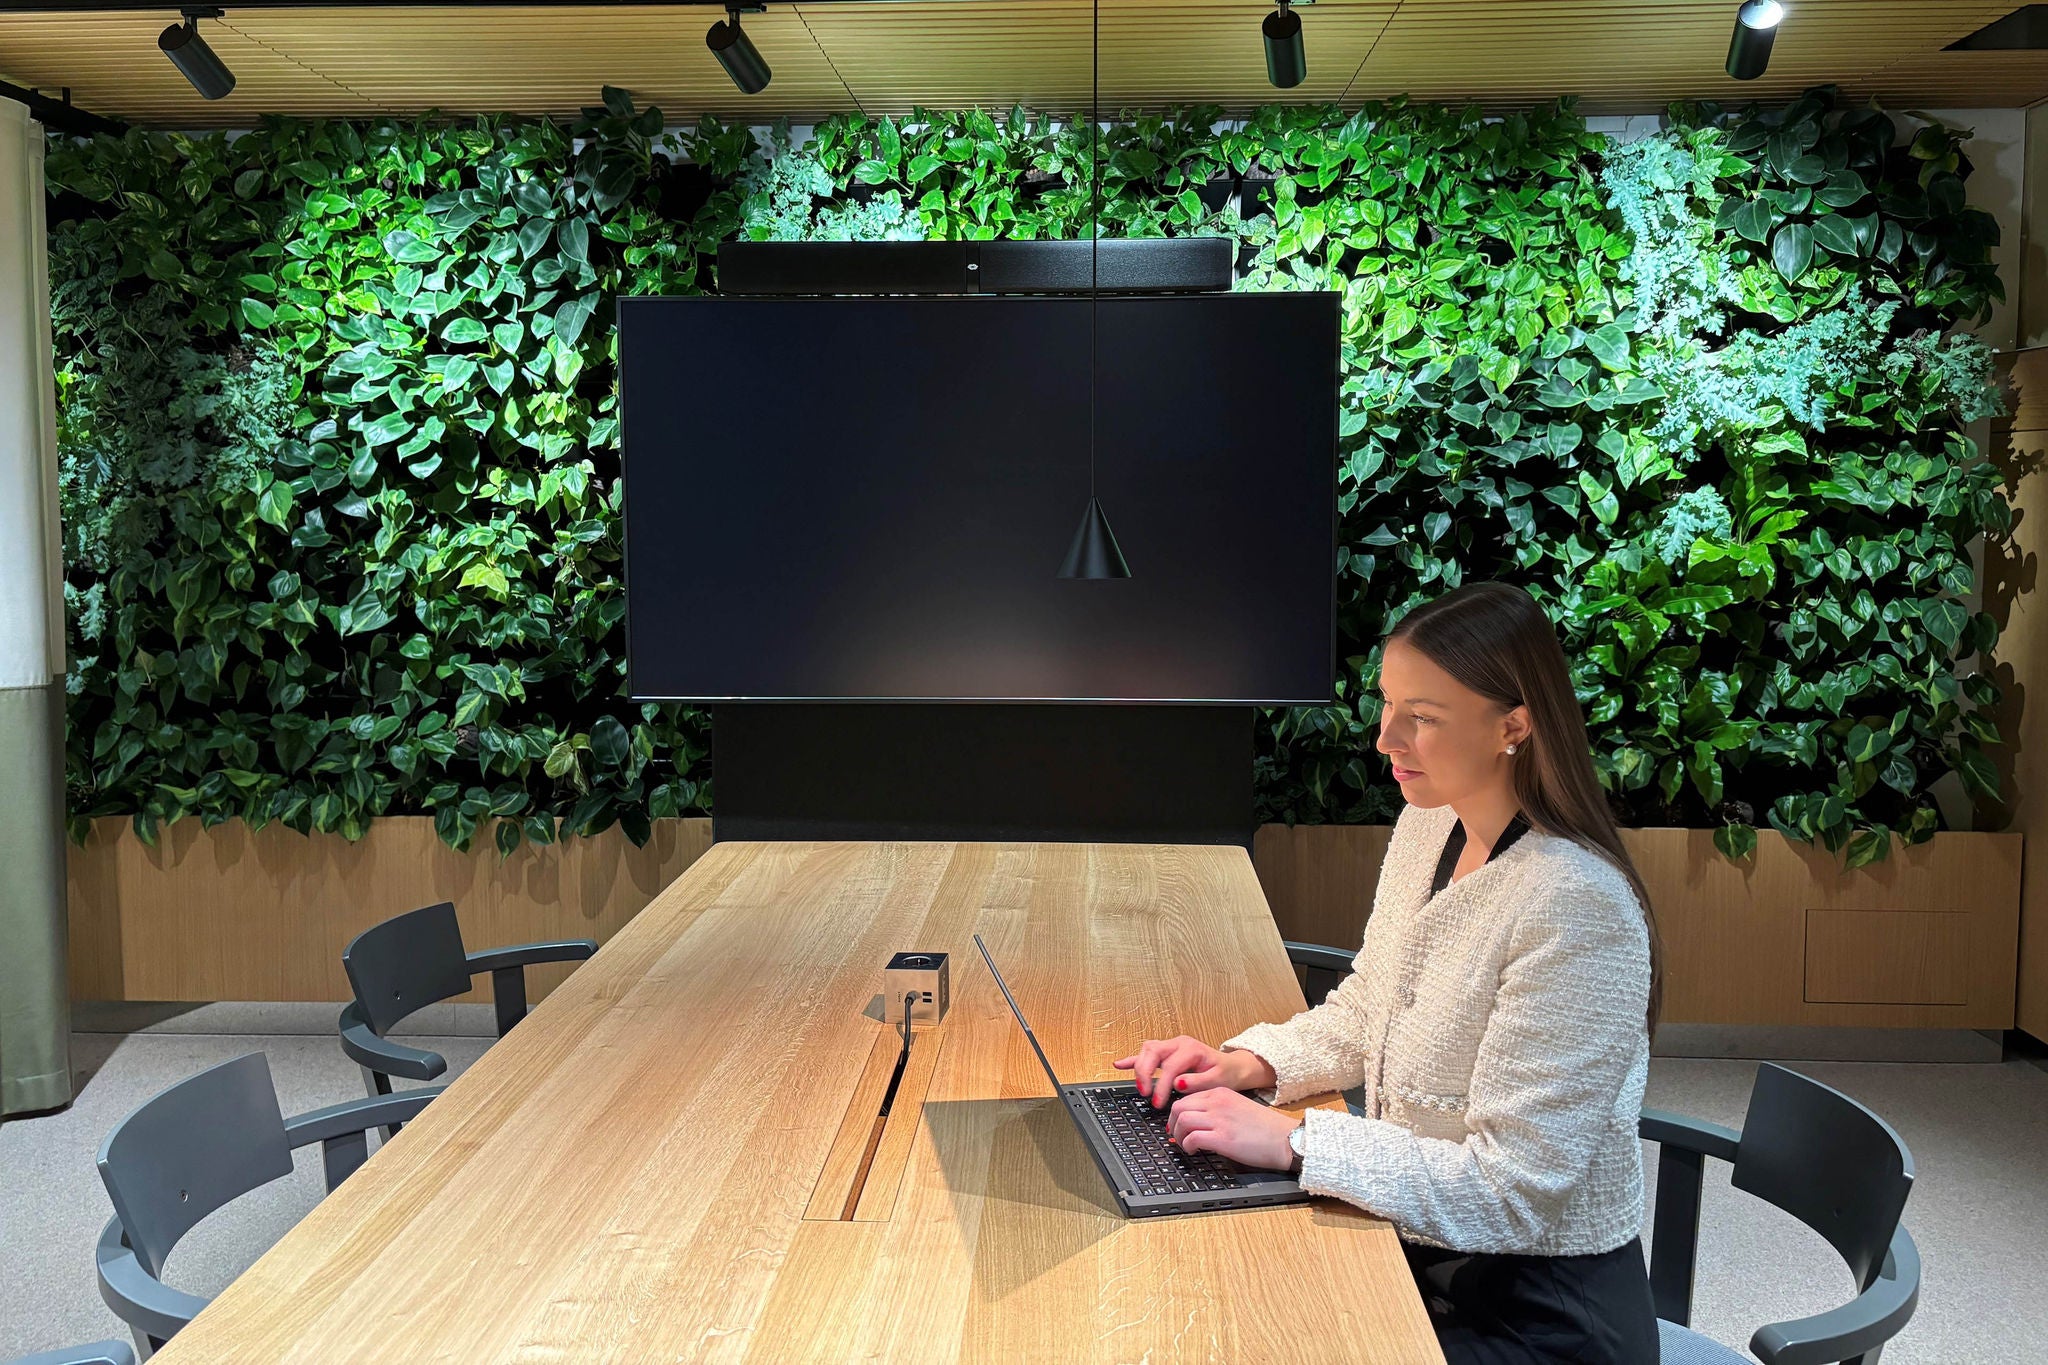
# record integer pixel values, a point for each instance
(1019, 1013)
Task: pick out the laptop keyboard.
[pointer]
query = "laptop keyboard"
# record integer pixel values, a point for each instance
(1137, 1132)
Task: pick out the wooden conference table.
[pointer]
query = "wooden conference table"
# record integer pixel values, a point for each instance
(669, 1159)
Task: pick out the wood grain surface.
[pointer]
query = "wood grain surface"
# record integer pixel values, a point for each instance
(232, 913)
(627, 1175)
(1933, 943)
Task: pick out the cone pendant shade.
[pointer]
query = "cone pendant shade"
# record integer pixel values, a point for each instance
(1094, 553)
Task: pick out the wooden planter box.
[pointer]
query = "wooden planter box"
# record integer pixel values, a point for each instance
(227, 914)
(1928, 938)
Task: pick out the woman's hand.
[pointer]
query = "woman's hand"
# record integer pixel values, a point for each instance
(1233, 1125)
(1186, 1065)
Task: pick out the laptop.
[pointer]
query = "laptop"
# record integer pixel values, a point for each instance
(1151, 1177)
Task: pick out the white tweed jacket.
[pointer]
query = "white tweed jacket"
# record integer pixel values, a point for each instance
(1498, 1031)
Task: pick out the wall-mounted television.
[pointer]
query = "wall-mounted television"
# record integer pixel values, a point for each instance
(870, 498)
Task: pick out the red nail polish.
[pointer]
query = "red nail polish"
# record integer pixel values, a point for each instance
(1180, 1082)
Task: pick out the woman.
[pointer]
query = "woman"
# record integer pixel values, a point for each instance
(1498, 1016)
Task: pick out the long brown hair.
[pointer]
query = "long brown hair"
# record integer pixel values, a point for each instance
(1493, 638)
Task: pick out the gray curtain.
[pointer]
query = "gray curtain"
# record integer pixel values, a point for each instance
(35, 1006)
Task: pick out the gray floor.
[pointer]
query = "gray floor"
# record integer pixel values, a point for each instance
(1979, 1210)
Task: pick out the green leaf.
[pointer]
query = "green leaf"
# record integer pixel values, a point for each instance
(391, 426)
(1792, 250)
(1980, 778)
(257, 313)
(1753, 220)
(1610, 346)
(1842, 189)
(1736, 842)
(1944, 620)
(463, 331)
(1600, 498)
(574, 236)
(572, 316)
(609, 744)
(1836, 233)
(488, 577)
(1866, 847)
(1807, 170)
(274, 503)
(532, 198)
(403, 246)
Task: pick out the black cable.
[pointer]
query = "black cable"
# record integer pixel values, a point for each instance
(1094, 222)
(902, 1060)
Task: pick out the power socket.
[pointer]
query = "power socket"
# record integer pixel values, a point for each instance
(925, 974)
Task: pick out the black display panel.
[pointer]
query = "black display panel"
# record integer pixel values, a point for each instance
(869, 499)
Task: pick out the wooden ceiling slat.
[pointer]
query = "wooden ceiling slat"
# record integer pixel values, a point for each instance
(1615, 55)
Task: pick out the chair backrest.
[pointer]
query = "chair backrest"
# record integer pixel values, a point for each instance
(406, 963)
(1829, 1162)
(193, 1148)
(1319, 969)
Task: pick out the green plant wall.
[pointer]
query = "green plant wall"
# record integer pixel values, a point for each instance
(341, 477)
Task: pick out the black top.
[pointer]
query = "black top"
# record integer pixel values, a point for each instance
(1455, 845)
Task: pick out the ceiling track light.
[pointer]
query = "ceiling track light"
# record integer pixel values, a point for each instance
(1756, 28)
(190, 54)
(1286, 65)
(736, 52)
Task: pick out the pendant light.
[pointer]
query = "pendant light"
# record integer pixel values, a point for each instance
(1094, 553)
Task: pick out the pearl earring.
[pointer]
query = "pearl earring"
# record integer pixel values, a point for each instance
(1511, 748)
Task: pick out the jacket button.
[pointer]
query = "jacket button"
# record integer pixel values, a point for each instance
(1407, 997)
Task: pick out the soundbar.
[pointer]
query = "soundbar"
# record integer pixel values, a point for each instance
(1168, 265)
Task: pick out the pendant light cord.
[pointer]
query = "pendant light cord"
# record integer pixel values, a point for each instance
(1094, 221)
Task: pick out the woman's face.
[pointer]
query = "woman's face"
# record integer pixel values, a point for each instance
(1447, 743)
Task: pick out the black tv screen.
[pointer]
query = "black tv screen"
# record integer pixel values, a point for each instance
(870, 499)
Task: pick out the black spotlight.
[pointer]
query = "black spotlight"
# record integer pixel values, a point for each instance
(190, 54)
(738, 55)
(1285, 64)
(1756, 28)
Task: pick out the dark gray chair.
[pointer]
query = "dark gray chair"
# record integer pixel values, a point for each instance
(1320, 971)
(192, 1149)
(1805, 1148)
(410, 962)
(1826, 1160)
(99, 1353)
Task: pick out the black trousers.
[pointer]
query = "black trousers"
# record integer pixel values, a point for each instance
(1539, 1310)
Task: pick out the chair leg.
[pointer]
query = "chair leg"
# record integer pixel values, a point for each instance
(342, 1156)
(1675, 1232)
(380, 1084)
(508, 990)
